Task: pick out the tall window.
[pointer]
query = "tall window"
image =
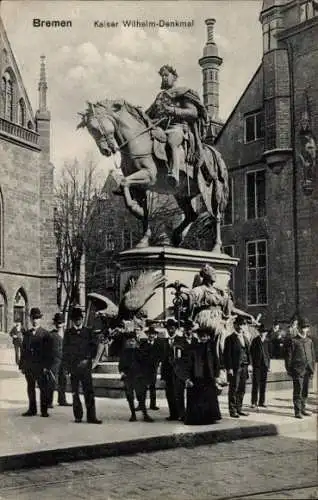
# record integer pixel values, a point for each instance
(308, 10)
(21, 113)
(7, 92)
(256, 252)
(255, 194)
(253, 126)
(228, 214)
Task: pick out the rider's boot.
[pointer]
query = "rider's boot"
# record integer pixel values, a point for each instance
(173, 168)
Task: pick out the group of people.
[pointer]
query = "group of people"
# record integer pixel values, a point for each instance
(187, 358)
(47, 357)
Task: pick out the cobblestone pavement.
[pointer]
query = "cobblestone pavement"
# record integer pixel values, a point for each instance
(262, 468)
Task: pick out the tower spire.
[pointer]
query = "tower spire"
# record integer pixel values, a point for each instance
(210, 64)
(42, 86)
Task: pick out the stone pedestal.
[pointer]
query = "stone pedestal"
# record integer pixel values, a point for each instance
(176, 264)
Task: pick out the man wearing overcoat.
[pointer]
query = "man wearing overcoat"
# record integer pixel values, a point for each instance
(237, 362)
(300, 365)
(79, 349)
(36, 362)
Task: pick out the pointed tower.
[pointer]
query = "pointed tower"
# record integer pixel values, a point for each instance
(43, 116)
(210, 64)
(47, 238)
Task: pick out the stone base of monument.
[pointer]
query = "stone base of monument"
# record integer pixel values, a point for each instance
(107, 383)
(176, 264)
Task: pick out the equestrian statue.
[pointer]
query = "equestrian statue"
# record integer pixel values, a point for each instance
(163, 150)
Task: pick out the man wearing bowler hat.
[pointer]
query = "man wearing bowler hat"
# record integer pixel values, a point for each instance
(152, 348)
(300, 365)
(79, 349)
(36, 362)
(181, 347)
(58, 368)
(261, 357)
(237, 363)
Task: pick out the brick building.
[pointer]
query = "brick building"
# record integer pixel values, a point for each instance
(269, 145)
(27, 245)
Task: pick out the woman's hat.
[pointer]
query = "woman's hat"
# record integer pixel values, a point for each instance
(35, 313)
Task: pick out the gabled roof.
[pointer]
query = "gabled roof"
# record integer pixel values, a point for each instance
(238, 102)
(14, 65)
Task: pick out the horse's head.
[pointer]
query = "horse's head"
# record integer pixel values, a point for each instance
(100, 119)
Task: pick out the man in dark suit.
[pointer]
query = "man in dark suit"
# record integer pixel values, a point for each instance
(36, 362)
(152, 349)
(167, 369)
(134, 370)
(300, 365)
(58, 368)
(182, 346)
(79, 349)
(236, 362)
(260, 356)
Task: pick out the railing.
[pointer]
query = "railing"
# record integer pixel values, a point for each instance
(16, 131)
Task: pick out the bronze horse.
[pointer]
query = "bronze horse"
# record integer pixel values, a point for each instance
(115, 126)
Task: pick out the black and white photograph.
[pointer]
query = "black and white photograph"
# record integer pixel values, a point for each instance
(158, 249)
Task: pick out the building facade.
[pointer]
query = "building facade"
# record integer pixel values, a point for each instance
(269, 145)
(27, 245)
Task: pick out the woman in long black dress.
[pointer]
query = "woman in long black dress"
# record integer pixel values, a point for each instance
(200, 370)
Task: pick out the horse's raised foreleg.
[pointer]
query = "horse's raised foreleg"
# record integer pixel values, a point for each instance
(189, 217)
(145, 176)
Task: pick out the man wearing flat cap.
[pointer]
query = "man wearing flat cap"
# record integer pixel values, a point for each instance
(36, 362)
(300, 365)
(58, 369)
(236, 360)
(79, 349)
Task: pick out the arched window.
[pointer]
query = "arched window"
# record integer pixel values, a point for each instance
(21, 112)
(30, 125)
(7, 92)
(3, 311)
(20, 307)
(1, 228)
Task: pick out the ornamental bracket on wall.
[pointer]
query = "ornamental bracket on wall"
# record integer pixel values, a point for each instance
(307, 152)
(276, 159)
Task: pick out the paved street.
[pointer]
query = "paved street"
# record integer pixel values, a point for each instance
(271, 464)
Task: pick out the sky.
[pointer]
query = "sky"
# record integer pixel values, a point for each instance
(85, 62)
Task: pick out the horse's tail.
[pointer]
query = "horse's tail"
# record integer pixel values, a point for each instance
(213, 181)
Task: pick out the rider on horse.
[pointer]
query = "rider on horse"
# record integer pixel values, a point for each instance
(184, 122)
